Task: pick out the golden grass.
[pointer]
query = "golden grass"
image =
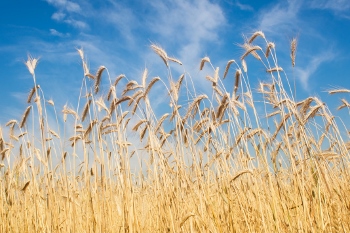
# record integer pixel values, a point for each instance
(234, 160)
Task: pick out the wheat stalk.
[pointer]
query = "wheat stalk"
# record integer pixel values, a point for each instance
(270, 46)
(293, 49)
(25, 116)
(339, 91)
(135, 128)
(161, 53)
(228, 67)
(241, 173)
(244, 66)
(195, 103)
(31, 64)
(98, 78)
(274, 69)
(345, 104)
(160, 122)
(255, 35)
(86, 110)
(144, 77)
(118, 78)
(203, 61)
(150, 85)
(250, 49)
(25, 186)
(31, 94)
(175, 60)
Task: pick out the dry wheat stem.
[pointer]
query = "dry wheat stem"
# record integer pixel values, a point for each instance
(150, 85)
(203, 61)
(98, 78)
(161, 53)
(228, 67)
(255, 35)
(339, 91)
(25, 116)
(118, 78)
(270, 46)
(251, 49)
(293, 49)
(86, 110)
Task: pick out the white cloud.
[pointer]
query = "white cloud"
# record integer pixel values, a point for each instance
(68, 12)
(183, 28)
(340, 8)
(280, 17)
(335, 5)
(58, 16)
(77, 23)
(244, 7)
(54, 32)
(187, 20)
(303, 74)
(65, 5)
(123, 19)
(190, 26)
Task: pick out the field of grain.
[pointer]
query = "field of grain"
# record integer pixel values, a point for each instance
(246, 157)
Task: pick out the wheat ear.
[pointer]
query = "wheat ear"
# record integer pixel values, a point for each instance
(228, 67)
(24, 117)
(150, 85)
(255, 35)
(203, 61)
(293, 49)
(98, 78)
(161, 53)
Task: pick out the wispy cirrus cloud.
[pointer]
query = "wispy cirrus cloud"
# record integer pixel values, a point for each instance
(183, 28)
(279, 17)
(339, 7)
(77, 23)
(192, 25)
(68, 12)
(289, 18)
(305, 72)
(54, 32)
(58, 16)
(65, 5)
(123, 20)
(244, 7)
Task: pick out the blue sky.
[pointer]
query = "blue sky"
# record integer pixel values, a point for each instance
(117, 34)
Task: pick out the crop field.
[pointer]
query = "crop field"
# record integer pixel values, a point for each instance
(238, 157)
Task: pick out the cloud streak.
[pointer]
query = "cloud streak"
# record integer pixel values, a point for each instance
(280, 17)
(339, 7)
(244, 7)
(54, 32)
(192, 26)
(68, 12)
(65, 5)
(305, 73)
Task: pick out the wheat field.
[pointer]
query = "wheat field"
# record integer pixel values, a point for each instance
(246, 157)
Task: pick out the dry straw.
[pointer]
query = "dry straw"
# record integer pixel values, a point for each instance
(152, 167)
(161, 53)
(255, 35)
(203, 61)
(293, 49)
(25, 116)
(31, 94)
(270, 46)
(98, 78)
(339, 91)
(150, 85)
(228, 67)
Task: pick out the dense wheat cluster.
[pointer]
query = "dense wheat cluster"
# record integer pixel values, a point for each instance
(244, 157)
